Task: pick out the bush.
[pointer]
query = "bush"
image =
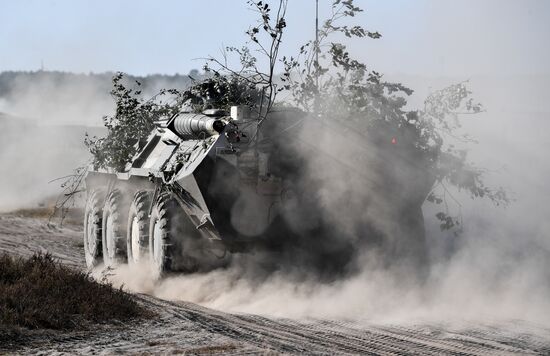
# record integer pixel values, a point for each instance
(39, 293)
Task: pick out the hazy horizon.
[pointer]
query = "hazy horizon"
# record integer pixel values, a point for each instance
(439, 38)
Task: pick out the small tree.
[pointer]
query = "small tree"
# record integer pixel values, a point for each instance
(265, 38)
(324, 79)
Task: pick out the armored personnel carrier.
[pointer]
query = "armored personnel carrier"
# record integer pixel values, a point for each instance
(203, 186)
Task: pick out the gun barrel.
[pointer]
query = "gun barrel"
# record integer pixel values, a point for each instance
(196, 125)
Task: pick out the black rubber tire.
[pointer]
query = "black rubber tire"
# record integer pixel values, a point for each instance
(115, 211)
(164, 217)
(180, 246)
(93, 216)
(139, 210)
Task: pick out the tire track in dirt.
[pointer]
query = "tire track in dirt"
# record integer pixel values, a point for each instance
(322, 336)
(183, 327)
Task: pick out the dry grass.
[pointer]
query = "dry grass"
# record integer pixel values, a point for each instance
(39, 293)
(40, 213)
(73, 216)
(212, 350)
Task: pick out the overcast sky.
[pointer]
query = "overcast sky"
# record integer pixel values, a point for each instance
(435, 37)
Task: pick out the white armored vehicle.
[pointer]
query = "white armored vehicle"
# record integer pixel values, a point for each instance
(205, 185)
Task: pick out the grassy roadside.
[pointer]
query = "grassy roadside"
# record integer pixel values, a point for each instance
(39, 293)
(72, 216)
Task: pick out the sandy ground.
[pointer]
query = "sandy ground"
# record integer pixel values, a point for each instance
(187, 328)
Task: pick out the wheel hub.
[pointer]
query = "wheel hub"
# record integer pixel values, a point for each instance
(157, 243)
(109, 236)
(90, 243)
(135, 243)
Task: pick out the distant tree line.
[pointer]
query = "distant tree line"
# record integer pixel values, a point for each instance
(13, 81)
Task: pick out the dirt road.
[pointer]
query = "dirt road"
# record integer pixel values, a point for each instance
(192, 329)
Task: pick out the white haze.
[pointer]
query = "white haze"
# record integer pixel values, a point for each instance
(54, 100)
(499, 268)
(42, 132)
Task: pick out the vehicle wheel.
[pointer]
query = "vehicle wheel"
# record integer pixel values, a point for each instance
(115, 217)
(93, 216)
(163, 230)
(137, 238)
(175, 244)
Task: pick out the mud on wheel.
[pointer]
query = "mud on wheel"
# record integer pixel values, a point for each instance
(93, 216)
(137, 240)
(115, 217)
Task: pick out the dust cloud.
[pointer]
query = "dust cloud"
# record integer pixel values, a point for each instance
(497, 270)
(33, 155)
(57, 98)
(43, 120)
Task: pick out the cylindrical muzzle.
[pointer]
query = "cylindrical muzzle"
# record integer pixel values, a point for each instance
(196, 125)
